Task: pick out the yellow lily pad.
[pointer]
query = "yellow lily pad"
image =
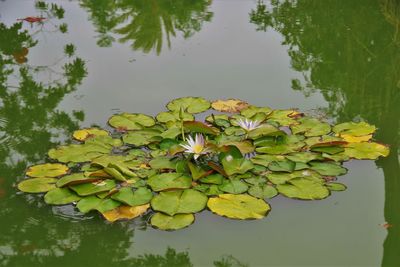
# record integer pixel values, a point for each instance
(189, 104)
(366, 150)
(230, 105)
(83, 134)
(354, 128)
(37, 185)
(238, 206)
(47, 170)
(125, 212)
(356, 139)
(284, 117)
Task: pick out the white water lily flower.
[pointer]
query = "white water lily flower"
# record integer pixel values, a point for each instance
(248, 125)
(196, 146)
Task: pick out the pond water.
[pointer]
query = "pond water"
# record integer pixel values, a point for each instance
(339, 58)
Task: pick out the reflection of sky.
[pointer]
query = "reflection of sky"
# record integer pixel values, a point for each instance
(215, 63)
(227, 58)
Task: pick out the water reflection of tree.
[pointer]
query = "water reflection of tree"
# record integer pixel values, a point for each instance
(31, 233)
(30, 124)
(146, 24)
(349, 52)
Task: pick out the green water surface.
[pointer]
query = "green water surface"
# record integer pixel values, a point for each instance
(336, 58)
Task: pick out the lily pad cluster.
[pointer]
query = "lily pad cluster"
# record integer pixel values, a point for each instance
(174, 166)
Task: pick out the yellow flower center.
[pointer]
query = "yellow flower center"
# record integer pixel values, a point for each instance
(197, 148)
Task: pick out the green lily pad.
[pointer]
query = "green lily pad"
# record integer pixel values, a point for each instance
(282, 117)
(253, 110)
(189, 104)
(165, 222)
(47, 170)
(328, 149)
(264, 130)
(244, 147)
(336, 186)
(259, 169)
(354, 128)
(222, 138)
(93, 188)
(327, 168)
(142, 137)
(167, 143)
(301, 166)
(106, 160)
(133, 198)
(305, 189)
(215, 178)
(338, 157)
(366, 150)
(201, 187)
(238, 206)
(282, 166)
(181, 165)
(263, 191)
(234, 130)
(311, 127)
(92, 148)
(331, 147)
(89, 203)
(137, 153)
(213, 190)
(124, 165)
(179, 201)
(233, 186)
(115, 173)
(199, 127)
(236, 166)
(165, 181)
(256, 180)
(37, 185)
(282, 178)
(229, 152)
(282, 149)
(131, 121)
(259, 117)
(303, 157)
(265, 159)
(197, 171)
(171, 132)
(221, 120)
(325, 139)
(162, 163)
(75, 178)
(170, 116)
(60, 196)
